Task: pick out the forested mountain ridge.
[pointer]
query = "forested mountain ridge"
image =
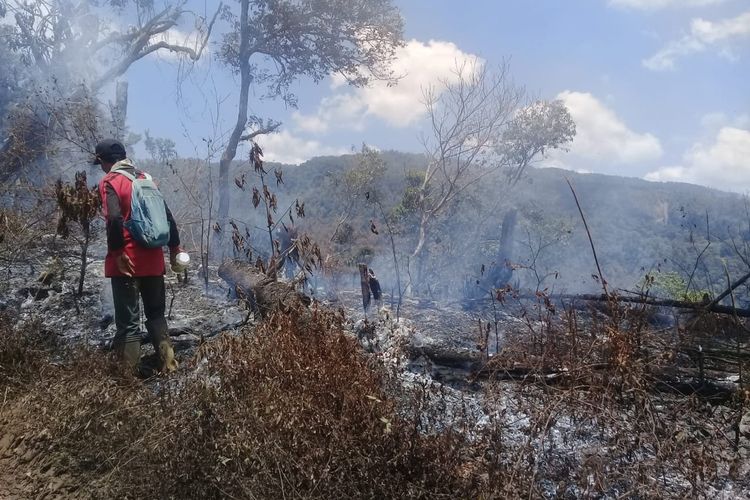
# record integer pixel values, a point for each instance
(638, 227)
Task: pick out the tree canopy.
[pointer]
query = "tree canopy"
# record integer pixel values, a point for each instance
(356, 39)
(275, 42)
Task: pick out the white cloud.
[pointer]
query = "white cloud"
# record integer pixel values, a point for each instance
(712, 122)
(420, 65)
(662, 4)
(723, 164)
(603, 141)
(309, 123)
(665, 58)
(284, 147)
(346, 109)
(709, 32)
(703, 34)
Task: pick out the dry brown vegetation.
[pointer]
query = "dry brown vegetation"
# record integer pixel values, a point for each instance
(294, 408)
(616, 408)
(291, 410)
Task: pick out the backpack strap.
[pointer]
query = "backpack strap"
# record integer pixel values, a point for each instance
(129, 175)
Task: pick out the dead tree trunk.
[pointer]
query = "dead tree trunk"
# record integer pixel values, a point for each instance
(680, 304)
(364, 281)
(263, 293)
(507, 236)
(499, 272)
(120, 111)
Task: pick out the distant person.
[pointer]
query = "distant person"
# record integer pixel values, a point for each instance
(377, 293)
(135, 259)
(289, 254)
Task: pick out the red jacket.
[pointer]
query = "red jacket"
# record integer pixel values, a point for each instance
(115, 190)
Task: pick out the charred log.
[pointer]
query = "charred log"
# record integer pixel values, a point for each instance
(445, 356)
(714, 391)
(572, 300)
(679, 304)
(499, 272)
(263, 293)
(196, 335)
(365, 285)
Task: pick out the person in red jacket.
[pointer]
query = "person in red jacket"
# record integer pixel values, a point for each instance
(134, 270)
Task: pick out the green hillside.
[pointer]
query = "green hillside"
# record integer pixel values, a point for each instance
(638, 227)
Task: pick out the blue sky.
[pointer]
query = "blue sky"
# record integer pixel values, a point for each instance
(658, 88)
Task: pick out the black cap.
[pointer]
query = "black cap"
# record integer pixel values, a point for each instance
(110, 151)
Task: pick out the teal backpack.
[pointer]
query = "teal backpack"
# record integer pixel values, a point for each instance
(148, 216)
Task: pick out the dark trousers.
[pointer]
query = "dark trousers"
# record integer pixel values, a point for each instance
(125, 293)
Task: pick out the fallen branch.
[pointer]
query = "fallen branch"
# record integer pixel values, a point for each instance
(680, 304)
(199, 335)
(263, 293)
(729, 290)
(591, 240)
(714, 391)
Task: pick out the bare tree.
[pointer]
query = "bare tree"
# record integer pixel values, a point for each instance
(543, 233)
(274, 42)
(467, 118)
(477, 126)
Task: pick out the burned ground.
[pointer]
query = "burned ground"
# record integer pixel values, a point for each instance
(546, 401)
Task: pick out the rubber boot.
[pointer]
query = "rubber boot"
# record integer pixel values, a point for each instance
(128, 351)
(127, 341)
(157, 328)
(166, 357)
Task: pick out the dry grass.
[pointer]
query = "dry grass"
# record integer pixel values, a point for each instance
(601, 421)
(25, 351)
(294, 409)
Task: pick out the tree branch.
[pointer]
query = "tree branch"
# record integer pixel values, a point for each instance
(268, 129)
(160, 23)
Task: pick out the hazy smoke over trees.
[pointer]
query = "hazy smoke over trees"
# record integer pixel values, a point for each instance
(64, 86)
(62, 54)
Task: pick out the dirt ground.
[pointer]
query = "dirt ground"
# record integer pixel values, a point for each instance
(26, 471)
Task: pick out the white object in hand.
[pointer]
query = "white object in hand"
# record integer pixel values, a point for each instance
(182, 260)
